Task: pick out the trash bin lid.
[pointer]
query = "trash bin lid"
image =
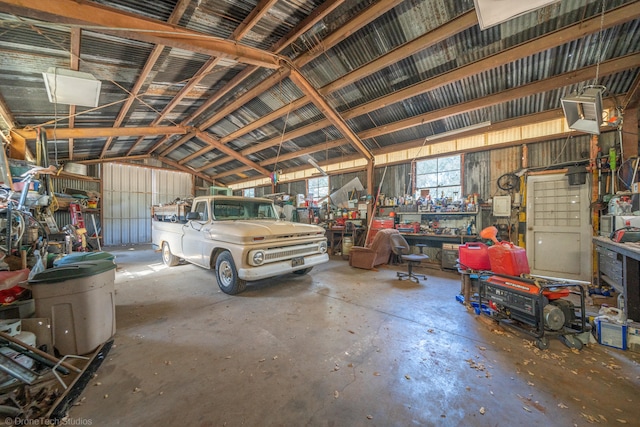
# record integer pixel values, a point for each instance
(76, 257)
(72, 271)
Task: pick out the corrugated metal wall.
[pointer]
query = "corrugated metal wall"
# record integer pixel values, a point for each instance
(129, 192)
(62, 216)
(482, 170)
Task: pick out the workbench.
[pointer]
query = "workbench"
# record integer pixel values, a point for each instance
(336, 235)
(435, 242)
(618, 265)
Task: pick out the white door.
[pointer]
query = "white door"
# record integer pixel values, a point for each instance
(558, 227)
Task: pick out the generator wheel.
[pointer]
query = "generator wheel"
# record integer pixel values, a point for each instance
(571, 341)
(542, 343)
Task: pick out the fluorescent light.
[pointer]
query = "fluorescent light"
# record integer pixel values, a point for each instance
(584, 111)
(457, 131)
(72, 87)
(493, 12)
(315, 165)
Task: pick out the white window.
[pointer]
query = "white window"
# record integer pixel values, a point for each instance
(249, 192)
(318, 189)
(441, 176)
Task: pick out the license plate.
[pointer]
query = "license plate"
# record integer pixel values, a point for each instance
(297, 261)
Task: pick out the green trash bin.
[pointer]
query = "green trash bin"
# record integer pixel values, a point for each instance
(76, 257)
(80, 301)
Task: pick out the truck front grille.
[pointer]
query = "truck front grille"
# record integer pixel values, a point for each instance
(279, 254)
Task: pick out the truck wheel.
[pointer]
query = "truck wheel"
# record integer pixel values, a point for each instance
(227, 275)
(303, 271)
(168, 258)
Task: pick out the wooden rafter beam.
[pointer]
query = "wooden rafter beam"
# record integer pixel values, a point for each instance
(573, 32)
(363, 19)
(370, 14)
(124, 110)
(331, 114)
(557, 38)
(230, 152)
(503, 125)
(241, 100)
(113, 21)
(5, 114)
(253, 18)
(449, 29)
(64, 133)
(150, 63)
(606, 68)
(74, 64)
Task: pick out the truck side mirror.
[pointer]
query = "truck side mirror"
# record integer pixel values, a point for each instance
(193, 216)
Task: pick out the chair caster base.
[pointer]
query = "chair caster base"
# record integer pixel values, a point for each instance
(415, 277)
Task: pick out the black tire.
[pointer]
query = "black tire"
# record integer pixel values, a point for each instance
(227, 275)
(303, 271)
(542, 343)
(168, 258)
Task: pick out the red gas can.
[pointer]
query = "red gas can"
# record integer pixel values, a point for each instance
(474, 256)
(507, 258)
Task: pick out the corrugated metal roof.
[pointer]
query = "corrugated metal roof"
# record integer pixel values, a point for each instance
(30, 47)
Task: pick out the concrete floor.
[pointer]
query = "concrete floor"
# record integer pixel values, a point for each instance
(338, 347)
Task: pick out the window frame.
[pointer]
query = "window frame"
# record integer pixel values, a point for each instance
(440, 173)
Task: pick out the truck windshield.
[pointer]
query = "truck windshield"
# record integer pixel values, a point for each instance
(230, 210)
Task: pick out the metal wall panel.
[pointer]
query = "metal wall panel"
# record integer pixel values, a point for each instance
(129, 192)
(62, 216)
(475, 177)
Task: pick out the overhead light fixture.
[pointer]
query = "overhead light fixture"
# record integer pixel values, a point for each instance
(493, 12)
(72, 87)
(457, 131)
(583, 111)
(315, 165)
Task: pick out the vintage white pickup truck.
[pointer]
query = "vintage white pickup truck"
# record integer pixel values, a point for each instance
(242, 238)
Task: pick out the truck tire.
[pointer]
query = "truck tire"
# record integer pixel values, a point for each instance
(303, 271)
(227, 275)
(169, 259)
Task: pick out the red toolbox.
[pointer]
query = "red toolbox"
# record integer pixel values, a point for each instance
(474, 256)
(507, 258)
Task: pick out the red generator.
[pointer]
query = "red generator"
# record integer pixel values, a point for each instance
(537, 307)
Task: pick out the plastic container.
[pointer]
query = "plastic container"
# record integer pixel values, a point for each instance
(76, 257)
(80, 301)
(507, 258)
(611, 334)
(474, 256)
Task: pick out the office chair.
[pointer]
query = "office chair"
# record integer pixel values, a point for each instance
(401, 248)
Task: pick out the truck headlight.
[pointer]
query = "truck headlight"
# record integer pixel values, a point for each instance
(323, 247)
(258, 258)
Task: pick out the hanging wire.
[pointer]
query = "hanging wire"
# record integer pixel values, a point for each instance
(599, 50)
